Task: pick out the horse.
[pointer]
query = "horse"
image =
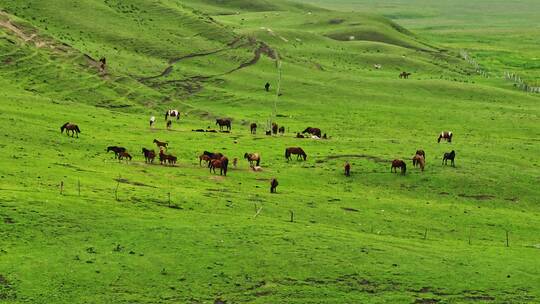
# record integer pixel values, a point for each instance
(449, 156)
(377, 66)
(253, 157)
(446, 135)
(149, 155)
(268, 133)
(172, 113)
(70, 127)
(404, 75)
(253, 128)
(397, 163)
(123, 155)
(166, 158)
(224, 122)
(102, 63)
(152, 121)
(281, 130)
(117, 150)
(295, 150)
(418, 159)
(169, 124)
(312, 131)
(347, 168)
(273, 185)
(204, 157)
(212, 156)
(274, 128)
(221, 163)
(161, 144)
(421, 153)
(267, 87)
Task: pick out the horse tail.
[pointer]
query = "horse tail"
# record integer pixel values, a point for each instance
(224, 165)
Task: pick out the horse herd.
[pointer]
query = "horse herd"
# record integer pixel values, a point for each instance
(216, 160)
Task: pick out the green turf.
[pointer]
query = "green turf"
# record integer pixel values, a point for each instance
(140, 233)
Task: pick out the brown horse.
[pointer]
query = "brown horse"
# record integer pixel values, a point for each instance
(123, 155)
(149, 155)
(70, 127)
(116, 150)
(419, 160)
(205, 158)
(421, 153)
(281, 130)
(397, 163)
(312, 131)
(274, 128)
(253, 128)
(224, 122)
(347, 168)
(295, 150)
(404, 75)
(166, 158)
(222, 164)
(273, 185)
(161, 144)
(253, 157)
(446, 135)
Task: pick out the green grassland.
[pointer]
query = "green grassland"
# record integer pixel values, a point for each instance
(130, 232)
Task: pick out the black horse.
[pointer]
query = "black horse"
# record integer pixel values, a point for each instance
(312, 131)
(224, 122)
(449, 156)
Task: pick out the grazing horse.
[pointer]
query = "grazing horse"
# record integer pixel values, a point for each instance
(449, 156)
(404, 75)
(172, 113)
(70, 127)
(273, 185)
(212, 156)
(253, 128)
(152, 121)
(204, 157)
(347, 168)
(267, 87)
(397, 163)
(166, 158)
(161, 144)
(221, 163)
(224, 122)
(281, 130)
(274, 128)
(253, 157)
(117, 150)
(446, 135)
(421, 153)
(149, 155)
(418, 159)
(295, 150)
(123, 155)
(312, 131)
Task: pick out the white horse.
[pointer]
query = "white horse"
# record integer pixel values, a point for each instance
(172, 113)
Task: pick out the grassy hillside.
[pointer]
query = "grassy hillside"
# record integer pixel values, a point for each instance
(131, 232)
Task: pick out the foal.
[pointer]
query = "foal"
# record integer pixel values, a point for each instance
(449, 156)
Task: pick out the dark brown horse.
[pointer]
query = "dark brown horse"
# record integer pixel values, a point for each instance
(123, 155)
(253, 157)
(397, 163)
(149, 155)
(347, 168)
(273, 185)
(449, 157)
(274, 128)
(421, 153)
(281, 130)
(312, 131)
(295, 150)
(253, 128)
(222, 164)
(117, 150)
(69, 127)
(161, 144)
(224, 122)
(445, 135)
(166, 158)
(404, 75)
